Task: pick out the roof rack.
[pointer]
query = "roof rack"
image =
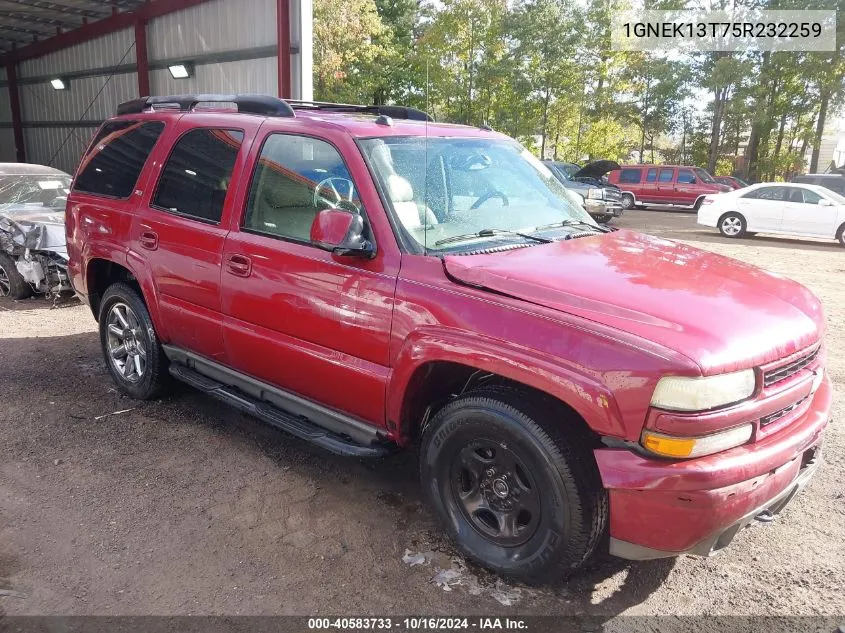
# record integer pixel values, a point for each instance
(249, 104)
(268, 106)
(392, 111)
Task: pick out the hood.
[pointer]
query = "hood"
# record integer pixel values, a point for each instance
(596, 169)
(719, 312)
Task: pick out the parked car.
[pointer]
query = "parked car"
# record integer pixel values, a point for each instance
(663, 185)
(834, 182)
(367, 282)
(776, 207)
(601, 200)
(33, 254)
(731, 181)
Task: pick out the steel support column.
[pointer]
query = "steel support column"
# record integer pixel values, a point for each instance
(142, 60)
(15, 106)
(283, 24)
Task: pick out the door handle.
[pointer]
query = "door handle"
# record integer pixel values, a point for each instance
(239, 265)
(149, 240)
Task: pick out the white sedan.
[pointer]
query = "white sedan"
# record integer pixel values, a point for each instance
(776, 207)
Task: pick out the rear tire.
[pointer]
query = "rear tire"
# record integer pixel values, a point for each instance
(628, 202)
(732, 225)
(12, 283)
(840, 235)
(516, 487)
(130, 345)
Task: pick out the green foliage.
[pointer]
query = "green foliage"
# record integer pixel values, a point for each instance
(542, 71)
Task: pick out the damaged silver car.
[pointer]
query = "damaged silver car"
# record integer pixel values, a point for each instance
(33, 252)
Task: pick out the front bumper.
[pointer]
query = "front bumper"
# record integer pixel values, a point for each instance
(664, 508)
(602, 208)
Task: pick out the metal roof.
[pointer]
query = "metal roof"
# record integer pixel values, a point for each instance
(23, 22)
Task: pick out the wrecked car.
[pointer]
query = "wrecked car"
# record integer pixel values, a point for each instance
(603, 201)
(33, 253)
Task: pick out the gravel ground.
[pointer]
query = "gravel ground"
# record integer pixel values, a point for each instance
(186, 507)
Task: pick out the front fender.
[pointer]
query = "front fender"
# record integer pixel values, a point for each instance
(591, 399)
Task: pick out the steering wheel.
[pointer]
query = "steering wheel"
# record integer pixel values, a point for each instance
(494, 193)
(337, 192)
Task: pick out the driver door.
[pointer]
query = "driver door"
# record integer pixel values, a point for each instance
(300, 318)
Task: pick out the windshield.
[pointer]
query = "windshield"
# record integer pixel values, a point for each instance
(703, 176)
(837, 198)
(25, 195)
(442, 188)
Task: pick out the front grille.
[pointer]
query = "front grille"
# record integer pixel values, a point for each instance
(785, 371)
(613, 195)
(777, 415)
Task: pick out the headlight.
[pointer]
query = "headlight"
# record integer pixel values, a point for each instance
(681, 393)
(595, 194)
(688, 447)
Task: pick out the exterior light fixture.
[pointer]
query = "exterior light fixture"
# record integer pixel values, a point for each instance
(59, 83)
(182, 70)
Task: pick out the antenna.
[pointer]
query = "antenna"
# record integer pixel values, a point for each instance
(425, 158)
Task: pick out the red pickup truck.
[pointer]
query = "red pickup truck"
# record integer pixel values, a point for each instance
(369, 280)
(664, 184)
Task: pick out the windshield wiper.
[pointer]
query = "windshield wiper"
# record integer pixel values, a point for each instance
(491, 233)
(573, 222)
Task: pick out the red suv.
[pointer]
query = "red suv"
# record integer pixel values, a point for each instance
(368, 280)
(664, 184)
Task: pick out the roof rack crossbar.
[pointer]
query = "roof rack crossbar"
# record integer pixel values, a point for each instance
(393, 111)
(249, 104)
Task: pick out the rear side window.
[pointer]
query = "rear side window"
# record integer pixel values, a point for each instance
(666, 175)
(117, 156)
(685, 177)
(651, 176)
(196, 177)
(630, 175)
(768, 193)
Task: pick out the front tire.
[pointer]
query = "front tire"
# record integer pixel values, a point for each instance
(130, 345)
(840, 235)
(515, 484)
(732, 225)
(12, 283)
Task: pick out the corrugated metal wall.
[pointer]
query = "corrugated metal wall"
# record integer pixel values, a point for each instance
(7, 137)
(195, 34)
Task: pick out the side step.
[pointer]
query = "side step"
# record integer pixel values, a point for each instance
(298, 426)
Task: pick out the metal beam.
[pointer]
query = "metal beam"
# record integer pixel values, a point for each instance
(142, 60)
(283, 57)
(15, 107)
(93, 30)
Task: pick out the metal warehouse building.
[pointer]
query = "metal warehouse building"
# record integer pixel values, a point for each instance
(66, 64)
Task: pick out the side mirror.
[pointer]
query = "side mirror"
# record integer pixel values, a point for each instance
(342, 233)
(824, 202)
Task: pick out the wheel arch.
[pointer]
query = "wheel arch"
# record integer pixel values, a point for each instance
(431, 370)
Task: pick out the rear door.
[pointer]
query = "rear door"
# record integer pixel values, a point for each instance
(179, 230)
(666, 185)
(630, 179)
(803, 215)
(763, 208)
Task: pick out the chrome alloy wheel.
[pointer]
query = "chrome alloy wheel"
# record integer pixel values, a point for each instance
(126, 343)
(731, 226)
(5, 283)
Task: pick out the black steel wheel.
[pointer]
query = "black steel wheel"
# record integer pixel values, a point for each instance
(512, 477)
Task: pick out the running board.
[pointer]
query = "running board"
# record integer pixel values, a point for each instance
(297, 426)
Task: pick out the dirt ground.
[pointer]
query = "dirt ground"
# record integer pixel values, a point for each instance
(186, 507)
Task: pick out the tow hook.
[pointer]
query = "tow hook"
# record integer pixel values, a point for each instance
(765, 516)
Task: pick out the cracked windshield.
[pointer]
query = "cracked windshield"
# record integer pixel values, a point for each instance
(473, 192)
(25, 196)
